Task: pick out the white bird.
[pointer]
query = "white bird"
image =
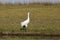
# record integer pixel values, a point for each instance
(25, 23)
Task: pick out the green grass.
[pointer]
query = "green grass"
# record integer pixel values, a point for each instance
(44, 19)
(28, 38)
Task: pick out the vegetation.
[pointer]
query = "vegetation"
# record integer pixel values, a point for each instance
(27, 38)
(44, 19)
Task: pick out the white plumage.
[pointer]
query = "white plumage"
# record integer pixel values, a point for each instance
(24, 24)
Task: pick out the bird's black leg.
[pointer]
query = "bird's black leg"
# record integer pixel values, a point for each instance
(24, 28)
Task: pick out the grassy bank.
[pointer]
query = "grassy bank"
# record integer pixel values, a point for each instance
(27, 38)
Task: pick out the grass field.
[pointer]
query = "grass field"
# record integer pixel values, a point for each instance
(44, 19)
(27, 38)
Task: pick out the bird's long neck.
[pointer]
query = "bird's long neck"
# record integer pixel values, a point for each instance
(28, 16)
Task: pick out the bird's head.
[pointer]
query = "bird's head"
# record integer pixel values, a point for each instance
(28, 13)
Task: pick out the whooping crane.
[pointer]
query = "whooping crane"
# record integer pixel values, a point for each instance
(25, 23)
